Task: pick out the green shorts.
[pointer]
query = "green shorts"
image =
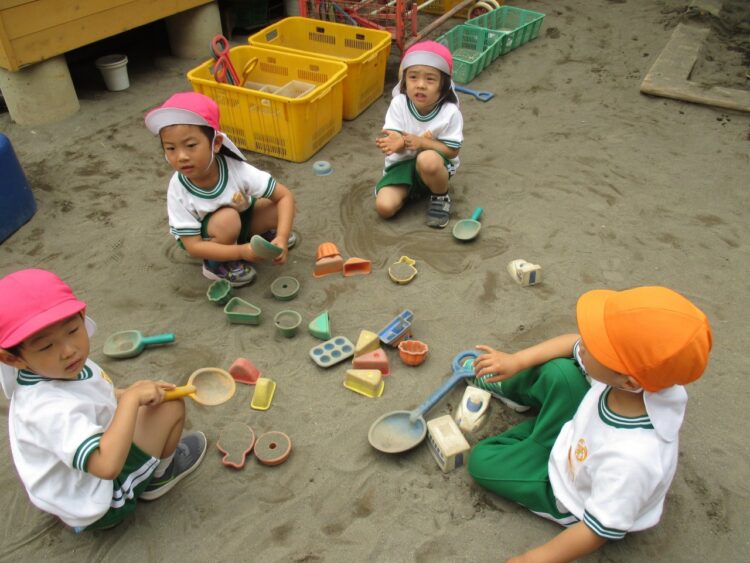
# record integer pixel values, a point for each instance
(124, 496)
(246, 218)
(404, 173)
(514, 464)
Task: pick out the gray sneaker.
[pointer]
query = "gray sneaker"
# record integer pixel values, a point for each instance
(495, 389)
(439, 211)
(237, 273)
(187, 457)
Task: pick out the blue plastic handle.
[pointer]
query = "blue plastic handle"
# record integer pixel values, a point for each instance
(158, 339)
(480, 95)
(432, 400)
(477, 214)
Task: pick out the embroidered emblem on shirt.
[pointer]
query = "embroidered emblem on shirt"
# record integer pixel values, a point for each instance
(239, 199)
(106, 378)
(582, 451)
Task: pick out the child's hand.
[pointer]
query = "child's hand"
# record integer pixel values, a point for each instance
(147, 392)
(247, 254)
(500, 364)
(390, 142)
(281, 242)
(412, 142)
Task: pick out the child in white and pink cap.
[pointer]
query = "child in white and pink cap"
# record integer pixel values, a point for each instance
(216, 200)
(422, 135)
(85, 451)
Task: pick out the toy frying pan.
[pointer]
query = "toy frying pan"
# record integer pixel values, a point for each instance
(399, 431)
(467, 229)
(129, 343)
(207, 386)
(482, 96)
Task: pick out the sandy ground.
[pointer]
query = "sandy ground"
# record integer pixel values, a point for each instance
(576, 171)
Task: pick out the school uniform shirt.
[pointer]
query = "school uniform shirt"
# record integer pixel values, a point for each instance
(239, 185)
(613, 472)
(54, 426)
(444, 122)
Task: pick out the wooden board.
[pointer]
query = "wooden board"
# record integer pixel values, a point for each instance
(36, 30)
(669, 76)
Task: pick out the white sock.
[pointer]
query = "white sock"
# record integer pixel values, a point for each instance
(161, 469)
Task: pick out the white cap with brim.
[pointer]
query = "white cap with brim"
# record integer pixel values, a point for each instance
(161, 117)
(426, 58)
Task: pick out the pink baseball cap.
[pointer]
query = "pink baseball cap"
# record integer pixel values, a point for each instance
(188, 108)
(429, 53)
(31, 300)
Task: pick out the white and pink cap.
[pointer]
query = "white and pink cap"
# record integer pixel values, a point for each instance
(428, 53)
(189, 108)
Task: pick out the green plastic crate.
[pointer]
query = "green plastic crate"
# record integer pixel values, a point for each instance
(473, 49)
(521, 25)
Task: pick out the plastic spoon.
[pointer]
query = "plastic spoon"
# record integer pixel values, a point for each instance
(481, 95)
(398, 431)
(207, 386)
(129, 343)
(467, 229)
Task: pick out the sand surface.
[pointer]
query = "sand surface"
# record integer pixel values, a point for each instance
(576, 171)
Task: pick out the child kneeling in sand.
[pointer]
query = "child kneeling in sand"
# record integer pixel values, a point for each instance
(422, 135)
(599, 457)
(85, 451)
(216, 200)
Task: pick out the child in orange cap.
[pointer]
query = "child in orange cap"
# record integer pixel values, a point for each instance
(85, 451)
(601, 453)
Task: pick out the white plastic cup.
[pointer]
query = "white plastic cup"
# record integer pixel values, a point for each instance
(114, 69)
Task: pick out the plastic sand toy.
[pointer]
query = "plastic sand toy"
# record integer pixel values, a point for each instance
(129, 343)
(399, 431)
(403, 271)
(328, 260)
(219, 292)
(264, 248)
(273, 448)
(367, 382)
(243, 371)
(357, 267)
(447, 445)
(524, 273)
(263, 395)
(412, 352)
(287, 322)
(320, 326)
(207, 386)
(332, 351)
(468, 229)
(236, 441)
(240, 311)
(398, 329)
(285, 288)
(377, 359)
(473, 410)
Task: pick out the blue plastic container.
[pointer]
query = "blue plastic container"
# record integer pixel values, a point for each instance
(17, 203)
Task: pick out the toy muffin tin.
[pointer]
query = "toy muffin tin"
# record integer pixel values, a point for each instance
(332, 351)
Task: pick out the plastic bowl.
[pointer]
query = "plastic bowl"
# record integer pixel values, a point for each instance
(412, 352)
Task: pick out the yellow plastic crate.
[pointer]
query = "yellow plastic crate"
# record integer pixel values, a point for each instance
(365, 51)
(291, 128)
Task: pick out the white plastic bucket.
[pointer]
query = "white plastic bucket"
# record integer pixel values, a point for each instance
(114, 69)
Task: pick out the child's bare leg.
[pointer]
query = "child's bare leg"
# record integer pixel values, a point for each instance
(159, 427)
(265, 216)
(431, 169)
(224, 225)
(389, 200)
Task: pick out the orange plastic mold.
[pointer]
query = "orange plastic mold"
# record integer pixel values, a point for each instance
(357, 266)
(412, 352)
(328, 265)
(326, 250)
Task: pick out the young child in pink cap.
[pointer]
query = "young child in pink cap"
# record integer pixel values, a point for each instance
(601, 452)
(85, 451)
(422, 135)
(216, 200)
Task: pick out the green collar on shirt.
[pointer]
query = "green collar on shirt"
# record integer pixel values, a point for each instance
(619, 421)
(26, 377)
(213, 192)
(418, 116)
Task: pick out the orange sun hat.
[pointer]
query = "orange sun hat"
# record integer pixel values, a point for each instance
(652, 333)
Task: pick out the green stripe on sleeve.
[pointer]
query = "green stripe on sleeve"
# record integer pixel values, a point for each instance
(84, 451)
(601, 530)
